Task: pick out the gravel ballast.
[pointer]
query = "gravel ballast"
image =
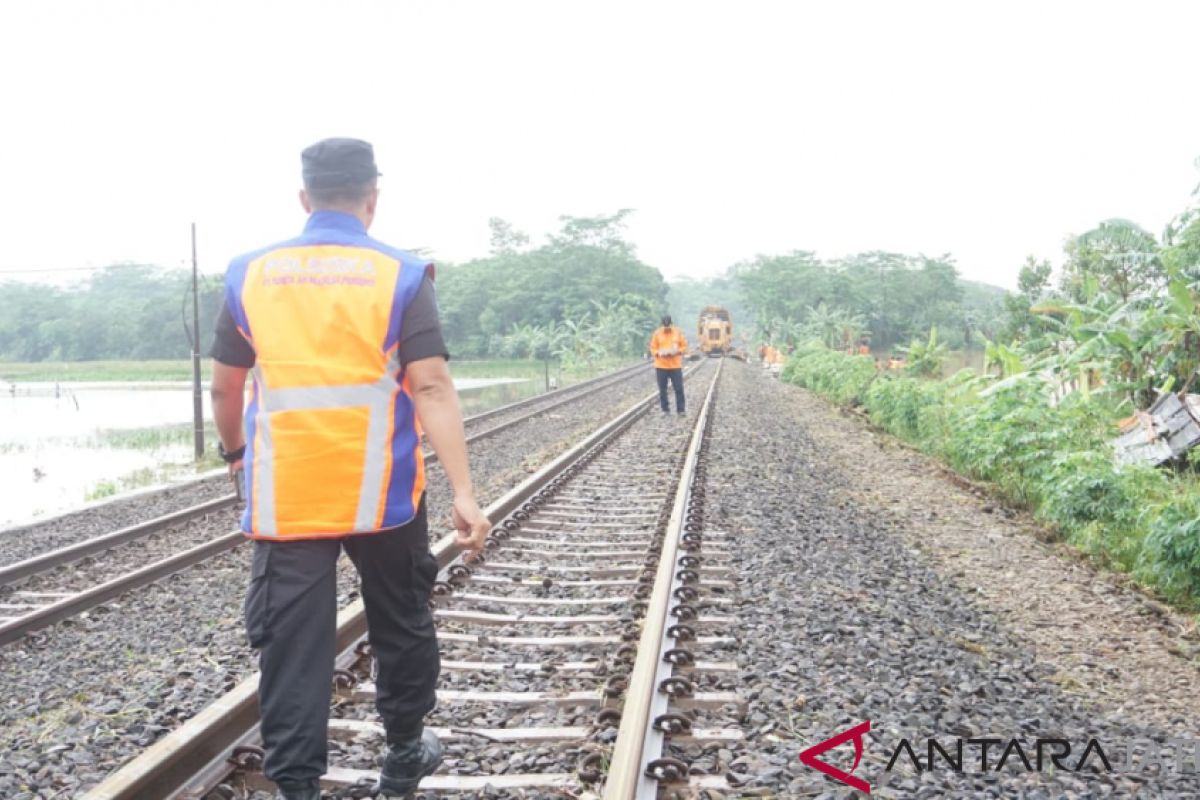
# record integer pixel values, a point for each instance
(20, 542)
(82, 697)
(25, 540)
(867, 597)
(871, 586)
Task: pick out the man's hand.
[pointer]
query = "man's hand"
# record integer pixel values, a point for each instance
(471, 524)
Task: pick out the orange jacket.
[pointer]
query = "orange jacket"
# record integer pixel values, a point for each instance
(668, 345)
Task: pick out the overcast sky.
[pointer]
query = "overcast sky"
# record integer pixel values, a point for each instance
(986, 130)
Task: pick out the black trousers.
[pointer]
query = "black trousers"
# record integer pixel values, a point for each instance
(291, 616)
(675, 376)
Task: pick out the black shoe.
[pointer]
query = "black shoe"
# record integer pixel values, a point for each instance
(304, 791)
(409, 761)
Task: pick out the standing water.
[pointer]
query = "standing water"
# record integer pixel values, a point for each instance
(62, 444)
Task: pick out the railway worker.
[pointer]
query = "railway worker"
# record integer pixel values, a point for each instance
(343, 337)
(667, 345)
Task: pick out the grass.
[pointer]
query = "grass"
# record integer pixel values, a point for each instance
(181, 370)
(161, 370)
(152, 476)
(154, 438)
(499, 368)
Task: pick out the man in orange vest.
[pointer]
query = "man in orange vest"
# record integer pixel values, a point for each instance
(668, 345)
(341, 332)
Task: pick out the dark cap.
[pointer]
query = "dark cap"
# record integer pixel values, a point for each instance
(334, 163)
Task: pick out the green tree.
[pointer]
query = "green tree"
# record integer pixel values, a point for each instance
(125, 311)
(505, 239)
(1181, 241)
(1032, 285)
(1123, 257)
(585, 271)
(889, 296)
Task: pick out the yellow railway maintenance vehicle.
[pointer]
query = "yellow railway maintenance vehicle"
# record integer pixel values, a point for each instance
(715, 331)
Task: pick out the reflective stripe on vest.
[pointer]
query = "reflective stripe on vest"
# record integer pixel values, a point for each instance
(333, 442)
(379, 399)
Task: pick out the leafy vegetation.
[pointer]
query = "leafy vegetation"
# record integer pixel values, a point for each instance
(1054, 460)
(149, 370)
(1121, 328)
(839, 377)
(880, 298)
(584, 283)
(583, 295)
(126, 311)
(152, 476)
(925, 358)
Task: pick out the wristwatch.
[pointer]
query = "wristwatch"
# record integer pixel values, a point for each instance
(230, 457)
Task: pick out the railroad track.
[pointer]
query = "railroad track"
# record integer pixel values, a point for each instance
(591, 650)
(55, 596)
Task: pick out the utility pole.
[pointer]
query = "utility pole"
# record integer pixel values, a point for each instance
(197, 403)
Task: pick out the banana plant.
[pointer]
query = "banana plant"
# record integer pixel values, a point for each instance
(925, 358)
(1006, 360)
(1125, 343)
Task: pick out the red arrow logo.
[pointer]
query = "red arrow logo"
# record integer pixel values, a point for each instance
(809, 757)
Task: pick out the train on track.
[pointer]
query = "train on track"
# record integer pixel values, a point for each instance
(715, 331)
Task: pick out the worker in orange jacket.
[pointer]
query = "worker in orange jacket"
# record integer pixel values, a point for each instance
(667, 345)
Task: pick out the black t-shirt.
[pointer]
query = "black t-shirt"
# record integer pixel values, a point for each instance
(420, 333)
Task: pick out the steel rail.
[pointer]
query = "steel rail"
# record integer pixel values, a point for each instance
(636, 739)
(615, 376)
(194, 757)
(591, 385)
(74, 552)
(564, 401)
(77, 603)
(14, 629)
(66, 555)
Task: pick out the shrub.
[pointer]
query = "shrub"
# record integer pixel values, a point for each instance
(909, 408)
(1171, 556)
(1054, 459)
(840, 377)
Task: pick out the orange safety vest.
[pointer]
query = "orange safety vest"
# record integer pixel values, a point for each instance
(668, 339)
(333, 446)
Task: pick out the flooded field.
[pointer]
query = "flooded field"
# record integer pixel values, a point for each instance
(62, 444)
